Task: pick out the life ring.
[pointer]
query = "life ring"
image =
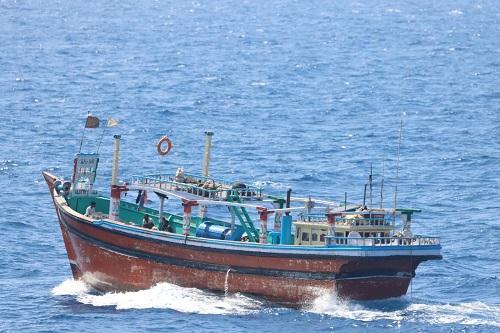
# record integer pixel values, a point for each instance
(159, 147)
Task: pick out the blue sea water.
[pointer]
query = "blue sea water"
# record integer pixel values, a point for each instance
(301, 94)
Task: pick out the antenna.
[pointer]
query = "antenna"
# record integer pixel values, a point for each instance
(397, 166)
(370, 181)
(364, 197)
(382, 186)
(345, 201)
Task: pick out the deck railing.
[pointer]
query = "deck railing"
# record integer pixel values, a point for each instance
(348, 221)
(315, 218)
(381, 241)
(196, 185)
(364, 221)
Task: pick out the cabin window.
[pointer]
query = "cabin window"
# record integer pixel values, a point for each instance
(314, 237)
(322, 238)
(305, 236)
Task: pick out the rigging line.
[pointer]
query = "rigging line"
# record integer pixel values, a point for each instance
(83, 133)
(102, 136)
(397, 166)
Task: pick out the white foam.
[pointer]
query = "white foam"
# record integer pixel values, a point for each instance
(163, 296)
(191, 300)
(274, 185)
(70, 287)
(471, 313)
(456, 12)
(329, 304)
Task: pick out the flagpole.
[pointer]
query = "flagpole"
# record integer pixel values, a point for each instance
(83, 133)
(109, 123)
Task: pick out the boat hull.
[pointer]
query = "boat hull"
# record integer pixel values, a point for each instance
(125, 258)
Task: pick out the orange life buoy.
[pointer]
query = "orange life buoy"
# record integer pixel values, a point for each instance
(159, 147)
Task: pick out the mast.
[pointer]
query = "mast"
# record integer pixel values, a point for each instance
(206, 161)
(286, 222)
(208, 147)
(114, 204)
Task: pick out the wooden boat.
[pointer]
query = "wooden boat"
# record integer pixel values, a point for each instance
(300, 249)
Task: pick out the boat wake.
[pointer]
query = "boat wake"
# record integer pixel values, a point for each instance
(162, 296)
(409, 310)
(191, 300)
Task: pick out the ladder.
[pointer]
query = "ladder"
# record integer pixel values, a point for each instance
(242, 215)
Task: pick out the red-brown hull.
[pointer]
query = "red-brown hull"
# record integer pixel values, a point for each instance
(111, 261)
(108, 271)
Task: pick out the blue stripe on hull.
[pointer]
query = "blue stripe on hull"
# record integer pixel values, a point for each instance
(266, 250)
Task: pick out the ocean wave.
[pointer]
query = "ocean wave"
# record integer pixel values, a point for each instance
(270, 184)
(167, 112)
(18, 224)
(405, 309)
(162, 296)
(307, 178)
(329, 304)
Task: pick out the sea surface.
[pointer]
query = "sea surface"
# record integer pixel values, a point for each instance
(300, 94)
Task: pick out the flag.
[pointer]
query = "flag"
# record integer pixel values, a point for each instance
(92, 122)
(111, 122)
